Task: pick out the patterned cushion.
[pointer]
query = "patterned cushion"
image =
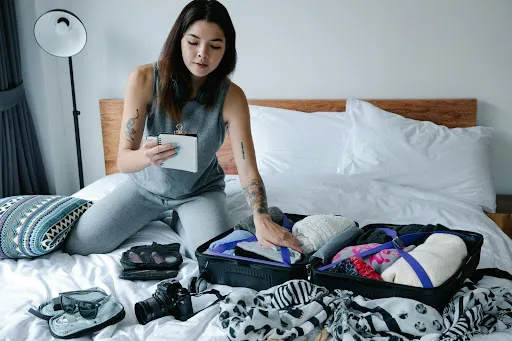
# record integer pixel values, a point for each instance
(33, 225)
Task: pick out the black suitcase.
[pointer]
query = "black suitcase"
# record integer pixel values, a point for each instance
(246, 272)
(259, 276)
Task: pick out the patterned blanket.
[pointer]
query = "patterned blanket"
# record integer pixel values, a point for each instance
(299, 309)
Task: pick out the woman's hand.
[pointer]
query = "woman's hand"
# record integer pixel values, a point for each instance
(271, 234)
(156, 154)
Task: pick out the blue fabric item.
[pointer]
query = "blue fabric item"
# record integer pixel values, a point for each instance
(230, 246)
(344, 239)
(234, 236)
(285, 254)
(253, 260)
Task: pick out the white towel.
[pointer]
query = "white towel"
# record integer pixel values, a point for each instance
(314, 231)
(440, 256)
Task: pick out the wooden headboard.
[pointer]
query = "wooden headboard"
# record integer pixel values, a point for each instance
(449, 112)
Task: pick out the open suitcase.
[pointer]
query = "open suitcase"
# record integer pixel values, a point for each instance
(260, 275)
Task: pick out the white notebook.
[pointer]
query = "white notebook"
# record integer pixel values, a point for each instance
(186, 159)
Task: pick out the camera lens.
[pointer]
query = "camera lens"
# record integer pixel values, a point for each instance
(149, 310)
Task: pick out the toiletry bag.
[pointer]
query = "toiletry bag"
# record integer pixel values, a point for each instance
(151, 262)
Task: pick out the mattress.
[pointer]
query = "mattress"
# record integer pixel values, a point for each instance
(27, 283)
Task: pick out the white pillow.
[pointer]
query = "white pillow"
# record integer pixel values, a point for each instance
(289, 141)
(419, 154)
(101, 187)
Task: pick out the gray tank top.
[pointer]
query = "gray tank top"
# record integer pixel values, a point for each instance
(210, 129)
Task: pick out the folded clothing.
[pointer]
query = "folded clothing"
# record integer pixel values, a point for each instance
(379, 261)
(341, 240)
(377, 236)
(355, 267)
(247, 223)
(440, 255)
(232, 237)
(258, 251)
(316, 230)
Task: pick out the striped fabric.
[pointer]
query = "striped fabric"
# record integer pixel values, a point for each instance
(294, 309)
(477, 310)
(299, 309)
(474, 309)
(34, 225)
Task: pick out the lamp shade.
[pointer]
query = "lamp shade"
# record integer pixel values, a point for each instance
(60, 33)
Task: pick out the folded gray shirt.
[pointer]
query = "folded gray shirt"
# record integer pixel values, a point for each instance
(247, 223)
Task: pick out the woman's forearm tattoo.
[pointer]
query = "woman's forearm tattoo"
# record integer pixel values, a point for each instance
(129, 132)
(243, 150)
(256, 196)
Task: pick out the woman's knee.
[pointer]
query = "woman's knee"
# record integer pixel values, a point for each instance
(86, 249)
(90, 235)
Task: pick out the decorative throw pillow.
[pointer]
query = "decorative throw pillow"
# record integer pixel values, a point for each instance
(34, 225)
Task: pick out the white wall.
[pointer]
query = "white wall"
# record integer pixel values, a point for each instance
(287, 49)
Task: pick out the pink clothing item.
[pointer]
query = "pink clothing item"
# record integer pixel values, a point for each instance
(379, 261)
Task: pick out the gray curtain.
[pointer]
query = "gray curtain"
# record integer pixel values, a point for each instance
(21, 169)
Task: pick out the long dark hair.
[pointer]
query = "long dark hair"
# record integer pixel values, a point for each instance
(171, 60)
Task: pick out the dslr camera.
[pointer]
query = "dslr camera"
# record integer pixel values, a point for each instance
(170, 298)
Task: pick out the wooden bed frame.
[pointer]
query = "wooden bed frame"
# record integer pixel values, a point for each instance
(449, 112)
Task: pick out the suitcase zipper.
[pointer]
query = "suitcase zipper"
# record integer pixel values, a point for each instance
(308, 271)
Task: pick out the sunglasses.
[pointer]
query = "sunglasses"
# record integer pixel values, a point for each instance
(88, 309)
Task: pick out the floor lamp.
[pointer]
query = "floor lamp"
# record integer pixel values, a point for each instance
(61, 34)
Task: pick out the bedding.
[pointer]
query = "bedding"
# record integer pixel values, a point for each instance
(385, 146)
(26, 283)
(289, 141)
(101, 187)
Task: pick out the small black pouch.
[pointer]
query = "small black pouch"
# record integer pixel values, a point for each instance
(151, 262)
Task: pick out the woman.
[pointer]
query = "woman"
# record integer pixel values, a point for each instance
(189, 86)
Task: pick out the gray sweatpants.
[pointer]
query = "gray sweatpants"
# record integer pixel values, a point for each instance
(111, 220)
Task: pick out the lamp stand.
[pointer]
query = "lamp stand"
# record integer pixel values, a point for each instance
(77, 129)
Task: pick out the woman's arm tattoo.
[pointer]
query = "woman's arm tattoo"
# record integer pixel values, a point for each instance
(129, 132)
(256, 196)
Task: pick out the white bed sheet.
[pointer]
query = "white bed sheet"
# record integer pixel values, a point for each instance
(26, 283)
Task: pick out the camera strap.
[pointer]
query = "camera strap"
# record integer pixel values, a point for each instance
(211, 291)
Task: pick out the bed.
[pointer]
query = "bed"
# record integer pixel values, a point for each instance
(26, 283)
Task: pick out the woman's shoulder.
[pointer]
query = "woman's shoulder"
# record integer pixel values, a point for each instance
(142, 78)
(235, 103)
(142, 75)
(235, 93)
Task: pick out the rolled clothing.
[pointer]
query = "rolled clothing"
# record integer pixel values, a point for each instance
(378, 236)
(232, 237)
(354, 266)
(258, 251)
(440, 256)
(340, 241)
(379, 261)
(247, 223)
(315, 231)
